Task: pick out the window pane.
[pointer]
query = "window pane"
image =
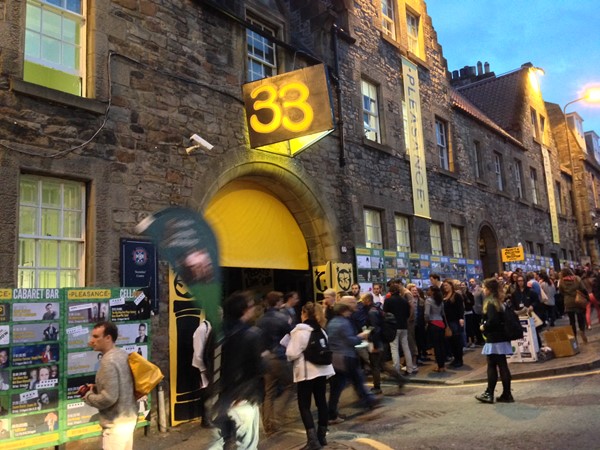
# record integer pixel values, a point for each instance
(27, 220)
(51, 50)
(34, 18)
(70, 32)
(50, 222)
(52, 24)
(69, 254)
(47, 279)
(70, 56)
(48, 253)
(28, 191)
(32, 45)
(26, 278)
(51, 194)
(74, 5)
(69, 278)
(72, 224)
(26, 252)
(72, 196)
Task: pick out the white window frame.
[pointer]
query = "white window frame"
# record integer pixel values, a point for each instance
(45, 35)
(533, 181)
(388, 18)
(267, 66)
(519, 178)
(402, 233)
(373, 232)
(498, 171)
(441, 137)
(435, 235)
(457, 248)
(370, 110)
(37, 241)
(413, 25)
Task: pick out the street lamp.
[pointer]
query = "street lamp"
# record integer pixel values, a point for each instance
(591, 95)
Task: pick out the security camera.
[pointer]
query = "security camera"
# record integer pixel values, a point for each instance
(200, 143)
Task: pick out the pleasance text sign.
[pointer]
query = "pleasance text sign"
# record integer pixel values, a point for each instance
(287, 107)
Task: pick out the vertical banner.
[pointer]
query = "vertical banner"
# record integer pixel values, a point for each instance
(551, 198)
(341, 276)
(321, 279)
(415, 144)
(188, 243)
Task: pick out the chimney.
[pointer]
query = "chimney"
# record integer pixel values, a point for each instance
(486, 67)
(479, 68)
(455, 74)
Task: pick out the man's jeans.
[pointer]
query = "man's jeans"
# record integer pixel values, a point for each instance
(401, 339)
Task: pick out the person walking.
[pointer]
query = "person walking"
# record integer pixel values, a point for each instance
(568, 286)
(497, 344)
(113, 391)
(454, 310)
(311, 378)
(399, 305)
(434, 317)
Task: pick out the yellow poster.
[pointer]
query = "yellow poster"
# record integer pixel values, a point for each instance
(342, 276)
(513, 254)
(415, 145)
(551, 198)
(321, 279)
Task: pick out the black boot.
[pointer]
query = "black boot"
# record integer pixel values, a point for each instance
(486, 397)
(322, 435)
(312, 441)
(506, 397)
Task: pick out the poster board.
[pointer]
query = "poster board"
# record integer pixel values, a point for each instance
(44, 358)
(525, 349)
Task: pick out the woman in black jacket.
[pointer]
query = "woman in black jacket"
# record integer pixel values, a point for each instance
(497, 344)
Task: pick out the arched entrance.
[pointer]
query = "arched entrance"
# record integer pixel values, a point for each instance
(488, 251)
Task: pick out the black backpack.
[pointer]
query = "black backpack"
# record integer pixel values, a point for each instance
(512, 324)
(317, 351)
(388, 327)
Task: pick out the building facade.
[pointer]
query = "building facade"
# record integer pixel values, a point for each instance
(98, 100)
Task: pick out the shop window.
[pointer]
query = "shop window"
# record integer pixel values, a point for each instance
(55, 44)
(262, 59)
(402, 234)
(373, 234)
(51, 233)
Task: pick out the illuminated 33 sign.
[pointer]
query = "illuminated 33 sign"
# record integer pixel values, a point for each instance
(288, 106)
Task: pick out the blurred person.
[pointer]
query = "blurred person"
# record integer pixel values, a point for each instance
(547, 286)
(113, 391)
(592, 285)
(412, 293)
(378, 297)
(201, 360)
(342, 342)
(477, 292)
(311, 378)
(355, 291)
(241, 375)
(568, 286)
(497, 344)
(434, 318)
(471, 324)
(329, 299)
(290, 303)
(454, 311)
(278, 376)
(398, 304)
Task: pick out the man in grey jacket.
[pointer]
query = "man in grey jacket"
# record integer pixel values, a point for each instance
(113, 392)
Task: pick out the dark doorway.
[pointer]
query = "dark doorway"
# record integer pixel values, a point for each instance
(262, 281)
(488, 251)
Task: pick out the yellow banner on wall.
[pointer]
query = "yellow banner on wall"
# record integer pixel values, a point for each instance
(321, 279)
(415, 145)
(342, 276)
(551, 197)
(511, 254)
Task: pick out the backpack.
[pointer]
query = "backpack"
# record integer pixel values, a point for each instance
(512, 324)
(317, 351)
(388, 327)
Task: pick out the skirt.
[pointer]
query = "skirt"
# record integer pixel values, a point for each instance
(497, 348)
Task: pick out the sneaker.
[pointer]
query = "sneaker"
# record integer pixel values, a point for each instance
(376, 391)
(505, 398)
(335, 421)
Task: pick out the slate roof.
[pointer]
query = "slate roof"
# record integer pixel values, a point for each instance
(462, 103)
(501, 98)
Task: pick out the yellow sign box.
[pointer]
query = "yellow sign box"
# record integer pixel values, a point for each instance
(289, 106)
(513, 254)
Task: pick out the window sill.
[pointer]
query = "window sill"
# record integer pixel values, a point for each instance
(539, 207)
(54, 96)
(377, 146)
(393, 42)
(448, 173)
(417, 60)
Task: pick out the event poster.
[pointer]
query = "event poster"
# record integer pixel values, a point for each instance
(45, 357)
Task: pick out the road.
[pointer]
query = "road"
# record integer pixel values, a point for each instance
(550, 413)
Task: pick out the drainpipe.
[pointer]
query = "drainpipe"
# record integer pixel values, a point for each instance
(338, 91)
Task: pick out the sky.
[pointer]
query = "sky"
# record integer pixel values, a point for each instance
(560, 36)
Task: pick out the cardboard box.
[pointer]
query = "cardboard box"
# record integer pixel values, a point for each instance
(562, 341)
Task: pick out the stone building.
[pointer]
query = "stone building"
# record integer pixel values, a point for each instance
(95, 121)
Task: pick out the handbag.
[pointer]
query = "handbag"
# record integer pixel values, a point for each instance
(581, 299)
(447, 330)
(146, 375)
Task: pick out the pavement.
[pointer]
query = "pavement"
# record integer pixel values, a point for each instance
(192, 436)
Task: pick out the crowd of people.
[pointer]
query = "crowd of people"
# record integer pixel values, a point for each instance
(265, 359)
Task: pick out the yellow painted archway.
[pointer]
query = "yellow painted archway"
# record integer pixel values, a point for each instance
(255, 229)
